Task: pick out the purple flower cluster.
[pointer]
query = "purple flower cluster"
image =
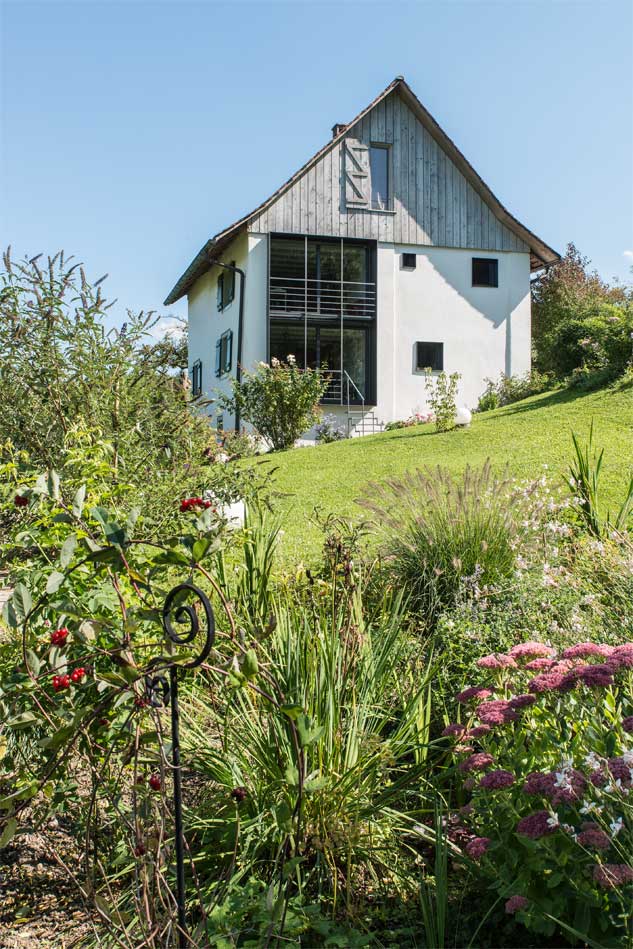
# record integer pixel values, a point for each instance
(474, 692)
(610, 875)
(454, 729)
(516, 903)
(535, 825)
(593, 838)
(531, 650)
(477, 847)
(497, 661)
(477, 762)
(584, 650)
(495, 780)
(496, 712)
(563, 787)
(627, 723)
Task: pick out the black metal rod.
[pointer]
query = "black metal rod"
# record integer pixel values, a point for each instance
(179, 839)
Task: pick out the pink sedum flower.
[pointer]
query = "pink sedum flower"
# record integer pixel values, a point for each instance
(587, 650)
(611, 875)
(473, 692)
(627, 723)
(496, 661)
(522, 701)
(477, 847)
(538, 665)
(453, 729)
(478, 731)
(594, 839)
(515, 904)
(477, 762)
(496, 712)
(546, 682)
(495, 780)
(535, 825)
(531, 650)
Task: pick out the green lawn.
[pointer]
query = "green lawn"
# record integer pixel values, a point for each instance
(532, 437)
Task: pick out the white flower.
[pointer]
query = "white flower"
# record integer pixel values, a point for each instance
(274, 362)
(593, 761)
(616, 826)
(290, 359)
(552, 820)
(589, 806)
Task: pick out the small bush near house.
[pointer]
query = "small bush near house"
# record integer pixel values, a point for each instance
(330, 429)
(279, 400)
(543, 754)
(442, 399)
(419, 418)
(508, 389)
(440, 533)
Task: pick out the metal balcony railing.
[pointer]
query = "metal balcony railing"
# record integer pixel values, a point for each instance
(295, 297)
(342, 390)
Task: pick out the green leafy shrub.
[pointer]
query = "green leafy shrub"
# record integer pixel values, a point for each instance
(440, 534)
(543, 749)
(509, 389)
(442, 398)
(279, 400)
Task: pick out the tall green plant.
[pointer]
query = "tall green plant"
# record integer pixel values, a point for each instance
(585, 471)
(442, 398)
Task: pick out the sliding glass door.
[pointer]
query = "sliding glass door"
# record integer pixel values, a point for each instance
(322, 310)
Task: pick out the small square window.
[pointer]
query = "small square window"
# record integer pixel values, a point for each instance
(429, 356)
(485, 272)
(409, 261)
(196, 378)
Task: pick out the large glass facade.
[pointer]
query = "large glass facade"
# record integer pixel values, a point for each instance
(322, 309)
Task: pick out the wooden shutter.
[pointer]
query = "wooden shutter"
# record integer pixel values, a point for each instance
(218, 357)
(230, 276)
(357, 187)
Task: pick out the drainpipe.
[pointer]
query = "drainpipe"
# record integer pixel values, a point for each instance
(240, 326)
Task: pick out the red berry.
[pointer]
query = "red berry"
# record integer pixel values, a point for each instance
(20, 501)
(140, 701)
(61, 682)
(77, 674)
(58, 638)
(155, 782)
(139, 850)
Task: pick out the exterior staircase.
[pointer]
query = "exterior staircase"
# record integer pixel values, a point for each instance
(360, 422)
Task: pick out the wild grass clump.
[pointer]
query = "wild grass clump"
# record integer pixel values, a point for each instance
(442, 536)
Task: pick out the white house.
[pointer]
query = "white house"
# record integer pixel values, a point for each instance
(384, 255)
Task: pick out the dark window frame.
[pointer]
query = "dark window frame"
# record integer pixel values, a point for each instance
(225, 293)
(196, 378)
(224, 354)
(409, 261)
(435, 363)
(386, 147)
(491, 264)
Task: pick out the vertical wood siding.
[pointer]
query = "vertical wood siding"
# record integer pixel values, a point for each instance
(433, 204)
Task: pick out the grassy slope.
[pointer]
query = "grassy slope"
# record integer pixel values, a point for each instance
(527, 436)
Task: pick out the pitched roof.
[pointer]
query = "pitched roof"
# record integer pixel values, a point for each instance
(540, 252)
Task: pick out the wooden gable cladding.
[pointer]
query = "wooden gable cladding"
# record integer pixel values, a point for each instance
(433, 203)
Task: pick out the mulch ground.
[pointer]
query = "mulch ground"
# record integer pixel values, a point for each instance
(39, 905)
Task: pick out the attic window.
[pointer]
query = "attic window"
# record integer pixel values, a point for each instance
(429, 356)
(409, 261)
(379, 174)
(485, 272)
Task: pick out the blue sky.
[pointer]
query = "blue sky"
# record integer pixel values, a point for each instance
(133, 131)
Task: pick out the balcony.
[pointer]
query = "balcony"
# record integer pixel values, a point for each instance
(318, 299)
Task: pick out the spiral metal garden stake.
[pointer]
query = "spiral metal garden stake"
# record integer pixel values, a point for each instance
(161, 693)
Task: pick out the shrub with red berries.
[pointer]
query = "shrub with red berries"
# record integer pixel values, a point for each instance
(61, 682)
(77, 674)
(155, 782)
(59, 637)
(194, 504)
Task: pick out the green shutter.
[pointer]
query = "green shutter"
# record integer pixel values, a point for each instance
(218, 357)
